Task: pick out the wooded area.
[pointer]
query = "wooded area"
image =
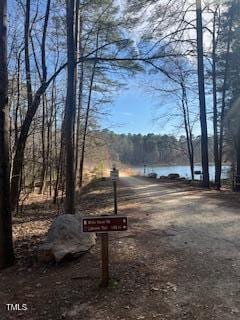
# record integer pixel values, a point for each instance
(151, 149)
(61, 64)
(166, 245)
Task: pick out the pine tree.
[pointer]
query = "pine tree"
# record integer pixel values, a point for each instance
(6, 245)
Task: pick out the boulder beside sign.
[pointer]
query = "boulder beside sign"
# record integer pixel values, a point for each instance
(104, 224)
(65, 239)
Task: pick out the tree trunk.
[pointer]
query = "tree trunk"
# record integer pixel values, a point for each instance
(44, 79)
(44, 162)
(6, 245)
(223, 106)
(50, 139)
(34, 161)
(80, 94)
(217, 163)
(70, 111)
(86, 128)
(58, 173)
(202, 102)
(87, 115)
(237, 177)
(78, 120)
(187, 127)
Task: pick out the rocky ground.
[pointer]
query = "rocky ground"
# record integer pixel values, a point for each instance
(178, 260)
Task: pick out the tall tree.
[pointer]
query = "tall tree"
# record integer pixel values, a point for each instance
(214, 34)
(202, 100)
(87, 117)
(45, 151)
(70, 110)
(187, 125)
(224, 88)
(229, 85)
(6, 245)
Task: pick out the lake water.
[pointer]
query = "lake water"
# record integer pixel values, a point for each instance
(183, 171)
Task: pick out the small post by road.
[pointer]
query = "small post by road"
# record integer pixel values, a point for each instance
(105, 260)
(115, 196)
(114, 176)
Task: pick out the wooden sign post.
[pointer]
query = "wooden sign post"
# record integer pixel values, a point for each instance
(103, 225)
(105, 260)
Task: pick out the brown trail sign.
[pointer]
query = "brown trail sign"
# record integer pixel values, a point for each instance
(103, 225)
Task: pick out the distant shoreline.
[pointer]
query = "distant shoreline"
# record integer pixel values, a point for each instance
(182, 170)
(174, 164)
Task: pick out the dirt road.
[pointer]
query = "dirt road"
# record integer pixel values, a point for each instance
(189, 241)
(179, 259)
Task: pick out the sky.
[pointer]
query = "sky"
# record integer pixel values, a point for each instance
(135, 109)
(132, 112)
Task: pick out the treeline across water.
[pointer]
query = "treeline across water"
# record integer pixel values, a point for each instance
(138, 149)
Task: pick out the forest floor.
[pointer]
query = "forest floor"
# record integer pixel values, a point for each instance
(179, 259)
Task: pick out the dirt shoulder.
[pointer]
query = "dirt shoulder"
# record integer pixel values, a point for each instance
(178, 260)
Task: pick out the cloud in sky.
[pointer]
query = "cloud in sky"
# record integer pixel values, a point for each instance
(127, 114)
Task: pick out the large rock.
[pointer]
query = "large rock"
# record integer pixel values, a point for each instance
(65, 239)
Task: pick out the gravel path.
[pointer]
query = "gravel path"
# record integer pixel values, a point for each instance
(178, 260)
(201, 232)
